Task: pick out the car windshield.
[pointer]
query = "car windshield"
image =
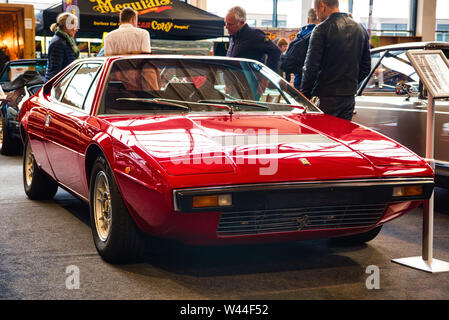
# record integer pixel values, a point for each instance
(13, 71)
(161, 85)
(394, 70)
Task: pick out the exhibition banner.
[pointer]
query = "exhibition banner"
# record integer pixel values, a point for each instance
(164, 19)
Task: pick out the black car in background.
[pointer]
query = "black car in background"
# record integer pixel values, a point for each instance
(19, 79)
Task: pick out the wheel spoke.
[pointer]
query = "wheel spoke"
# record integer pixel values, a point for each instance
(102, 206)
(29, 166)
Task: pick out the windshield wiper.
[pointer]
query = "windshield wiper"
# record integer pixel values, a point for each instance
(251, 103)
(155, 101)
(248, 103)
(171, 102)
(216, 105)
(304, 107)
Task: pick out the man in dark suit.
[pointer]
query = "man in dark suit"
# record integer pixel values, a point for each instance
(251, 43)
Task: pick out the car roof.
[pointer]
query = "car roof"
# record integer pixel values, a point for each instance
(163, 56)
(24, 61)
(414, 45)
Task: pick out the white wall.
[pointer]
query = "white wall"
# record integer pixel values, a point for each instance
(426, 19)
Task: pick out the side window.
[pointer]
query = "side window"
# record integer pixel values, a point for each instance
(79, 85)
(5, 76)
(58, 90)
(269, 93)
(394, 70)
(90, 96)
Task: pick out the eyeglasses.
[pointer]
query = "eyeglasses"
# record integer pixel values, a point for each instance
(230, 24)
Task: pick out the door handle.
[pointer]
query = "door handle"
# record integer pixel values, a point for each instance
(47, 120)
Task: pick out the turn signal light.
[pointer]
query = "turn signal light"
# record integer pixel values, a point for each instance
(222, 200)
(408, 191)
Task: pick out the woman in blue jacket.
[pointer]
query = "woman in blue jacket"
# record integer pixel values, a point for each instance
(62, 49)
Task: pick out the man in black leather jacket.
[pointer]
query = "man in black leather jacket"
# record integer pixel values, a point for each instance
(338, 59)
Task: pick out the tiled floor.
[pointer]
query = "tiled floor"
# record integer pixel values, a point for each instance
(39, 240)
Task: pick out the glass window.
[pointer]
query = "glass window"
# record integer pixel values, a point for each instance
(442, 32)
(387, 15)
(58, 90)
(196, 85)
(251, 22)
(394, 70)
(90, 96)
(344, 6)
(442, 20)
(13, 72)
(79, 85)
(282, 24)
(256, 10)
(387, 27)
(442, 23)
(293, 13)
(266, 23)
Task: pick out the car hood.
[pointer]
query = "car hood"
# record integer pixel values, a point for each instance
(312, 146)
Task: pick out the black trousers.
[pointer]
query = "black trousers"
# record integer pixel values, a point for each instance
(338, 106)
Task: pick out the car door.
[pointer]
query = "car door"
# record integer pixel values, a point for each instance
(390, 102)
(64, 124)
(37, 118)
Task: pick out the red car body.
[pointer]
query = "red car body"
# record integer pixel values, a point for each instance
(161, 161)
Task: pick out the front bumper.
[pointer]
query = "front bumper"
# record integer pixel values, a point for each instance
(312, 209)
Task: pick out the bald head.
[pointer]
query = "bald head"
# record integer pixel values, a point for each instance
(324, 8)
(312, 17)
(329, 3)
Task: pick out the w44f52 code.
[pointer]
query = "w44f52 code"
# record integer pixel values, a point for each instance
(227, 309)
(249, 309)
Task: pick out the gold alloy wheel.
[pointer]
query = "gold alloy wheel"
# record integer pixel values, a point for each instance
(102, 206)
(29, 166)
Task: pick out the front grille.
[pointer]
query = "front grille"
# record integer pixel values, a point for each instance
(288, 220)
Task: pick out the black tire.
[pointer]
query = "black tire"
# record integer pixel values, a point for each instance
(119, 240)
(37, 185)
(7, 145)
(360, 238)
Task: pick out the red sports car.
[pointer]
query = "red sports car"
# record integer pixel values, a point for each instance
(209, 150)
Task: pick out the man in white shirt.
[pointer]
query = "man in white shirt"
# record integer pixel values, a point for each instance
(128, 38)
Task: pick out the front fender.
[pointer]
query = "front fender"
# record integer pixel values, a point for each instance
(142, 187)
(100, 144)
